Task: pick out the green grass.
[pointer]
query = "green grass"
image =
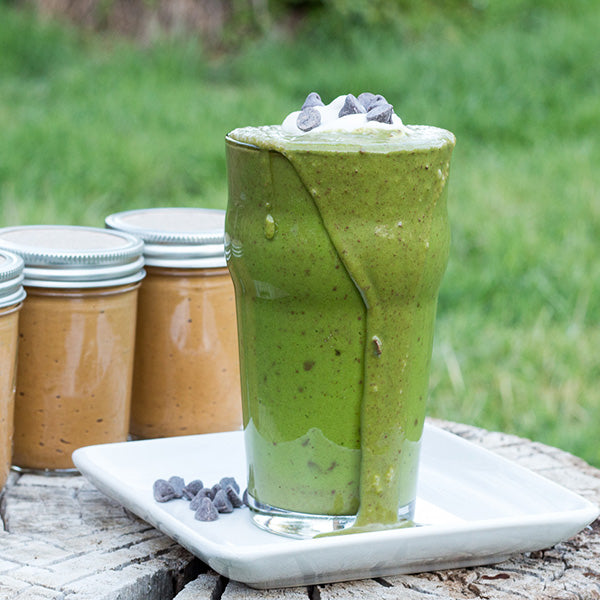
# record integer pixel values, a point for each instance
(93, 125)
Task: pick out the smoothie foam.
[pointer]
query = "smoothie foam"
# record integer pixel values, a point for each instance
(336, 301)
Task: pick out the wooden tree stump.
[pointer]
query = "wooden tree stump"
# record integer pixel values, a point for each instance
(64, 540)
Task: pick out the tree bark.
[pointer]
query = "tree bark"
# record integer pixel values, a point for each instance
(65, 540)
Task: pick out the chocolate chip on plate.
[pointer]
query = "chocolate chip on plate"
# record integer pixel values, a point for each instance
(192, 488)
(200, 495)
(225, 481)
(222, 503)
(163, 491)
(206, 511)
(233, 497)
(178, 485)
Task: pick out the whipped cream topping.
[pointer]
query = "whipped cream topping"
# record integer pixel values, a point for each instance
(368, 112)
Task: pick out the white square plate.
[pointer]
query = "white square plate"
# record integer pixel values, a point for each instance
(476, 508)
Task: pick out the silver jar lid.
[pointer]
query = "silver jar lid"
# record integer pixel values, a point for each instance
(70, 256)
(176, 237)
(11, 279)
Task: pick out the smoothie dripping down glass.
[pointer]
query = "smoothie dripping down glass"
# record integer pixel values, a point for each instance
(337, 241)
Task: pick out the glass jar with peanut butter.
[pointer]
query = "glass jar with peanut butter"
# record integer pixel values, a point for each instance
(11, 298)
(186, 372)
(76, 340)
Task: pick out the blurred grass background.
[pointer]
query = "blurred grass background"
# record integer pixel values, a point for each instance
(93, 123)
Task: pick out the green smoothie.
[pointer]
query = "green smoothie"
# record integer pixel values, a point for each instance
(337, 243)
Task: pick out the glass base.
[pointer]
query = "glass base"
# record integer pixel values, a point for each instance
(306, 525)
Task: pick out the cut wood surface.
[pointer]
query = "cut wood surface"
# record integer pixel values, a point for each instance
(65, 540)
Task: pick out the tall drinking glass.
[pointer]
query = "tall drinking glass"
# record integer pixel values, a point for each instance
(337, 245)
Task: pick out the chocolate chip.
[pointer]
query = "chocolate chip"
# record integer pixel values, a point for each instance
(351, 107)
(382, 113)
(200, 495)
(245, 497)
(308, 119)
(215, 488)
(313, 99)
(233, 497)
(192, 488)
(206, 511)
(369, 100)
(178, 484)
(222, 503)
(365, 99)
(225, 481)
(163, 490)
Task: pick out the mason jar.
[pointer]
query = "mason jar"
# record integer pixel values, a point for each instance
(11, 298)
(76, 340)
(186, 373)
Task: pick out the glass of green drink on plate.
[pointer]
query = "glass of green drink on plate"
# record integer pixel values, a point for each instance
(337, 239)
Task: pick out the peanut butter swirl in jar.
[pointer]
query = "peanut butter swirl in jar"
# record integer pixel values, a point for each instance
(11, 298)
(186, 373)
(76, 340)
